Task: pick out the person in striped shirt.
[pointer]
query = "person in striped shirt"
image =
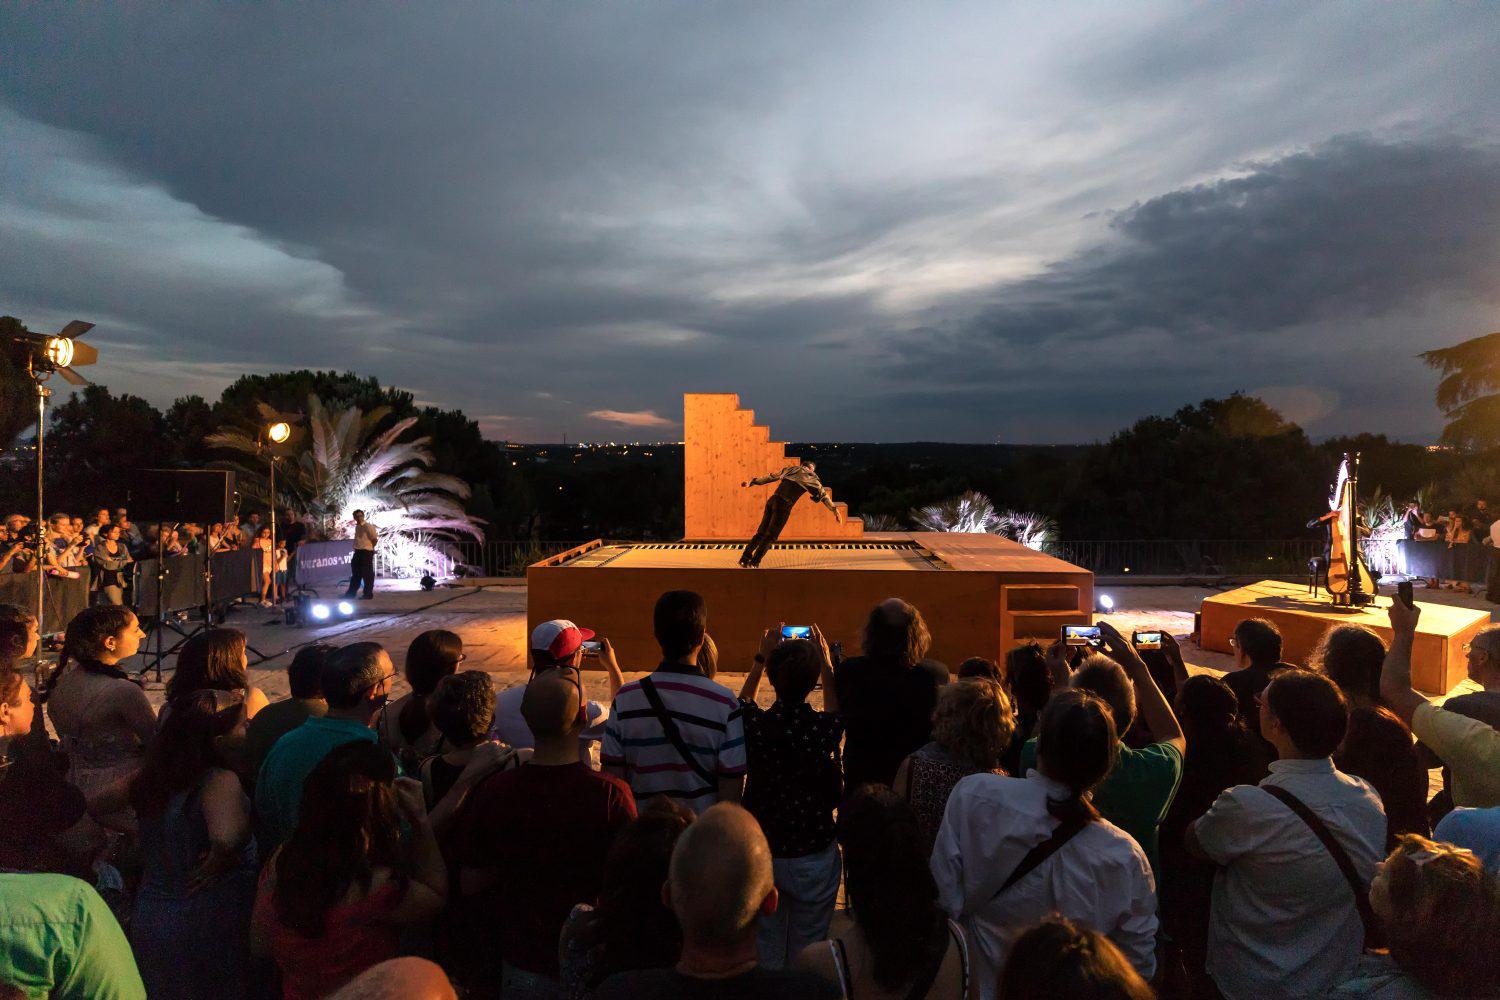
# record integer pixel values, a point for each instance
(675, 732)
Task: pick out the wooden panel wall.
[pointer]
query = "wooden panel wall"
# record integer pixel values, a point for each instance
(723, 447)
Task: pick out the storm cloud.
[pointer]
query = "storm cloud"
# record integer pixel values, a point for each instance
(872, 220)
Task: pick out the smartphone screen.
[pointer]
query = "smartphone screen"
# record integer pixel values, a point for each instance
(796, 631)
(592, 647)
(1081, 635)
(1147, 640)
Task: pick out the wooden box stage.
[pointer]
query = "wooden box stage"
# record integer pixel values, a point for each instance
(1438, 659)
(980, 594)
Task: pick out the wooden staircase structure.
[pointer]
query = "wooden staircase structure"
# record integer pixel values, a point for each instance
(723, 446)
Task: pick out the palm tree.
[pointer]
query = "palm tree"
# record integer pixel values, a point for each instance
(1469, 394)
(1032, 530)
(968, 513)
(348, 463)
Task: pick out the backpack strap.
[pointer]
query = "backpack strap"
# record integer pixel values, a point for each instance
(1335, 850)
(674, 736)
(1061, 834)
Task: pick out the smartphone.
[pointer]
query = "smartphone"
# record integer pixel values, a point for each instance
(1081, 635)
(1146, 640)
(1403, 594)
(593, 647)
(796, 631)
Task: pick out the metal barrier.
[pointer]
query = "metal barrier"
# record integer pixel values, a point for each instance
(491, 558)
(1189, 557)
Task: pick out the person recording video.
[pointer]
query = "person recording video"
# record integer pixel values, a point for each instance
(791, 483)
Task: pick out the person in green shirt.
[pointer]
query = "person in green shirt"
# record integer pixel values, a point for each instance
(59, 940)
(1139, 789)
(356, 681)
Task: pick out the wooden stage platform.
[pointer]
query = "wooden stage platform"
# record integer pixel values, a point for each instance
(1438, 659)
(980, 594)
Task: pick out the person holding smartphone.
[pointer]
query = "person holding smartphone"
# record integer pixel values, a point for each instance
(560, 643)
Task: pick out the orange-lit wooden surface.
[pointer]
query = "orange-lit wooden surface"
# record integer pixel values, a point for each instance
(1438, 659)
(723, 447)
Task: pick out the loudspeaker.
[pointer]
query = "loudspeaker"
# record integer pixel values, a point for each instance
(171, 495)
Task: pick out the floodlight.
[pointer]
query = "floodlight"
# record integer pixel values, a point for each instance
(345, 608)
(1106, 603)
(320, 612)
(279, 431)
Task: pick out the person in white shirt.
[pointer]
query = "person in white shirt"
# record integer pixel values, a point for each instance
(1285, 921)
(554, 644)
(1012, 851)
(362, 566)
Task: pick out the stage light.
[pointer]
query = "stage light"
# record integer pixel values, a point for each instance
(345, 608)
(279, 431)
(320, 612)
(428, 581)
(60, 351)
(1106, 603)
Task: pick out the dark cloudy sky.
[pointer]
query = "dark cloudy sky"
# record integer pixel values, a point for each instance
(875, 221)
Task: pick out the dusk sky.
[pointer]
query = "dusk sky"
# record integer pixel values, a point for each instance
(874, 221)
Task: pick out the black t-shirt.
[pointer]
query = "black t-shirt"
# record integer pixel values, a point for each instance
(792, 780)
(1247, 684)
(887, 711)
(757, 984)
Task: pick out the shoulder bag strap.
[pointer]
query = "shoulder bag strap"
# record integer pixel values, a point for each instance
(1063, 833)
(670, 731)
(1335, 850)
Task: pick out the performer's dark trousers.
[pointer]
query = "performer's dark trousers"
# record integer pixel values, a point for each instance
(771, 523)
(362, 570)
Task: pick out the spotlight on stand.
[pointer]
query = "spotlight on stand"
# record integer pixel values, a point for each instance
(345, 609)
(320, 611)
(1104, 603)
(427, 581)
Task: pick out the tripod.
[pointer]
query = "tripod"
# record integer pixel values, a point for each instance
(161, 625)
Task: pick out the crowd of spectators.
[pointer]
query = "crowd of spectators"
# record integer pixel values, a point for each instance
(1075, 822)
(103, 547)
(1466, 544)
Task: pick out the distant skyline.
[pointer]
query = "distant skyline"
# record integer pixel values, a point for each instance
(874, 221)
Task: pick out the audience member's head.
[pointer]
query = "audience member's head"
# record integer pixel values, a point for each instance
(1303, 714)
(557, 643)
(553, 705)
(982, 669)
(16, 709)
(204, 729)
(463, 707)
(890, 886)
(1257, 643)
(304, 675)
(1107, 679)
(1061, 960)
(407, 978)
(679, 623)
(107, 633)
(18, 634)
(1441, 913)
(1207, 707)
(356, 679)
(1484, 656)
(1028, 678)
(210, 660)
(348, 824)
(636, 929)
(974, 721)
(1352, 656)
(897, 632)
(1077, 745)
(719, 881)
(432, 655)
(793, 669)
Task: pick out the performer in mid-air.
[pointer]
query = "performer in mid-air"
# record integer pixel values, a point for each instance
(792, 482)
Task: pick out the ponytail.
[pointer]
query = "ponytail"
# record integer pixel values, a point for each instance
(84, 641)
(1077, 746)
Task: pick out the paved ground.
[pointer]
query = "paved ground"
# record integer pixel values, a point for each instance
(492, 622)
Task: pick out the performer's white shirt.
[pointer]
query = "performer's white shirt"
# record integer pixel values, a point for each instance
(365, 537)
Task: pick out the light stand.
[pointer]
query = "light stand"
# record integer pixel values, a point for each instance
(39, 379)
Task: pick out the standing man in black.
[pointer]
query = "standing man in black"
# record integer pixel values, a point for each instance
(362, 567)
(792, 482)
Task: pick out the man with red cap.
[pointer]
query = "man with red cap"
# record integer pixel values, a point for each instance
(559, 643)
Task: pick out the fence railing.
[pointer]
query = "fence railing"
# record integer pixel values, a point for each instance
(490, 558)
(1189, 557)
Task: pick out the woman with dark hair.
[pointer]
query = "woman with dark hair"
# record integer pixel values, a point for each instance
(1011, 851)
(1221, 752)
(405, 726)
(886, 696)
(1030, 685)
(1440, 910)
(971, 728)
(334, 897)
(214, 661)
(629, 927)
(1061, 960)
(191, 923)
(1378, 746)
(99, 711)
(109, 560)
(898, 943)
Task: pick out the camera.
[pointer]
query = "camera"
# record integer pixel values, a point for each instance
(1081, 635)
(1146, 640)
(593, 647)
